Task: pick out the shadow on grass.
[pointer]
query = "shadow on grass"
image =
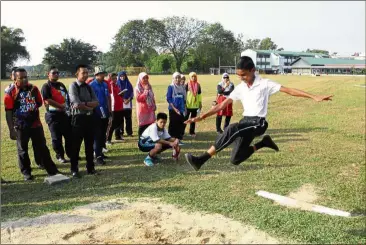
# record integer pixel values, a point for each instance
(359, 233)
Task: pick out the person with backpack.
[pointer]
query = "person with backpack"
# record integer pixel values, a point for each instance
(82, 101)
(57, 102)
(22, 101)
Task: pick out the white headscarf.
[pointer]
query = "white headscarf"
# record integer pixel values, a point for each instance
(222, 83)
(178, 88)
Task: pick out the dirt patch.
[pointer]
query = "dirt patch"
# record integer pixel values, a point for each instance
(123, 222)
(306, 193)
(351, 171)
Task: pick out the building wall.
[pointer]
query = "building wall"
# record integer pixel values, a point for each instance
(252, 54)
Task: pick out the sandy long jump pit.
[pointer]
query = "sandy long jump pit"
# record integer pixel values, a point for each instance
(120, 221)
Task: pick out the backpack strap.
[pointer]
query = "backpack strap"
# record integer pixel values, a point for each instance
(88, 87)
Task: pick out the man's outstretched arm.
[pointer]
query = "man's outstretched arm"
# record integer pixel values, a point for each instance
(211, 112)
(300, 93)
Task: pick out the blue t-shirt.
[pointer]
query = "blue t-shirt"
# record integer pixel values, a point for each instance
(176, 99)
(101, 91)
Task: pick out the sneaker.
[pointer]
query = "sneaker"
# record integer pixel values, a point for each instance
(62, 160)
(100, 161)
(156, 159)
(75, 175)
(28, 177)
(104, 150)
(149, 161)
(108, 143)
(268, 142)
(220, 132)
(193, 161)
(104, 156)
(181, 143)
(93, 172)
(193, 135)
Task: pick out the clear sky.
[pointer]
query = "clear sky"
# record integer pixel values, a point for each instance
(295, 26)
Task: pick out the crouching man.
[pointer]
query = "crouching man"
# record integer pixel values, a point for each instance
(156, 139)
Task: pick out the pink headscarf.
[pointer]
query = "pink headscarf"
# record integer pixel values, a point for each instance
(140, 88)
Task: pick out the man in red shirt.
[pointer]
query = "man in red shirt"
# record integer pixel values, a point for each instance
(116, 106)
(22, 101)
(57, 103)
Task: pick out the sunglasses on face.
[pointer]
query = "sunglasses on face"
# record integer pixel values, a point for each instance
(55, 73)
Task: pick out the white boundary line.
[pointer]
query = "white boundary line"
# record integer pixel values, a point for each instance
(295, 203)
(361, 86)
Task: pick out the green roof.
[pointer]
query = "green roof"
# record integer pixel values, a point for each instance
(288, 53)
(330, 61)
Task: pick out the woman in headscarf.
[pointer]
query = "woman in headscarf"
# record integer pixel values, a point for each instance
(182, 79)
(224, 89)
(193, 101)
(176, 98)
(145, 102)
(125, 85)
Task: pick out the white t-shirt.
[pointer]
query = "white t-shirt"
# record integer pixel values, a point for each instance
(255, 98)
(154, 134)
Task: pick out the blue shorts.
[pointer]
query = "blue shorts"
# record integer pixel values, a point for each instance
(146, 145)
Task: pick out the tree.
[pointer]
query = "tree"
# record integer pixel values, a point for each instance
(252, 44)
(180, 34)
(11, 48)
(215, 42)
(136, 41)
(267, 44)
(319, 51)
(70, 53)
(163, 63)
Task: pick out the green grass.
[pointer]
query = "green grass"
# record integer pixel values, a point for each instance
(320, 143)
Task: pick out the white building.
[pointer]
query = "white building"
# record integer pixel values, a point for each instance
(272, 61)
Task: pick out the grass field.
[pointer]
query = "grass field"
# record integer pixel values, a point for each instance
(322, 144)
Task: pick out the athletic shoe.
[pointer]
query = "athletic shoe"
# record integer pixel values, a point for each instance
(156, 159)
(104, 150)
(104, 156)
(108, 143)
(100, 161)
(62, 160)
(268, 142)
(181, 143)
(193, 161)
(193, 135)
(93, 172)
(76, 175)
(28, 177)
(220, 132)
(149, 161)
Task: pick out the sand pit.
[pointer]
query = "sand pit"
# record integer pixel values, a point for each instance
(122, 222)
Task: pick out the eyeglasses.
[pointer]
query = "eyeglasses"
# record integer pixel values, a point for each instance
(55, 73)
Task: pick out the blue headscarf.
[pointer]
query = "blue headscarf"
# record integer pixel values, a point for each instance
(125, 84)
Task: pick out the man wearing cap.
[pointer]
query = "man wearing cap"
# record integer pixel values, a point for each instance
(22, 101)
(101, 114)
(82, 101)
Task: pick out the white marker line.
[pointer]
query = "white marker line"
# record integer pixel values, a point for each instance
(362, 86)
(295, 203)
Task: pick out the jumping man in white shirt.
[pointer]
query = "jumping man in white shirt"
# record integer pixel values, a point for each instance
(253, 92)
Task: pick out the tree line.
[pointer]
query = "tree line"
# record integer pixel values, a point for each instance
(163, 46)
